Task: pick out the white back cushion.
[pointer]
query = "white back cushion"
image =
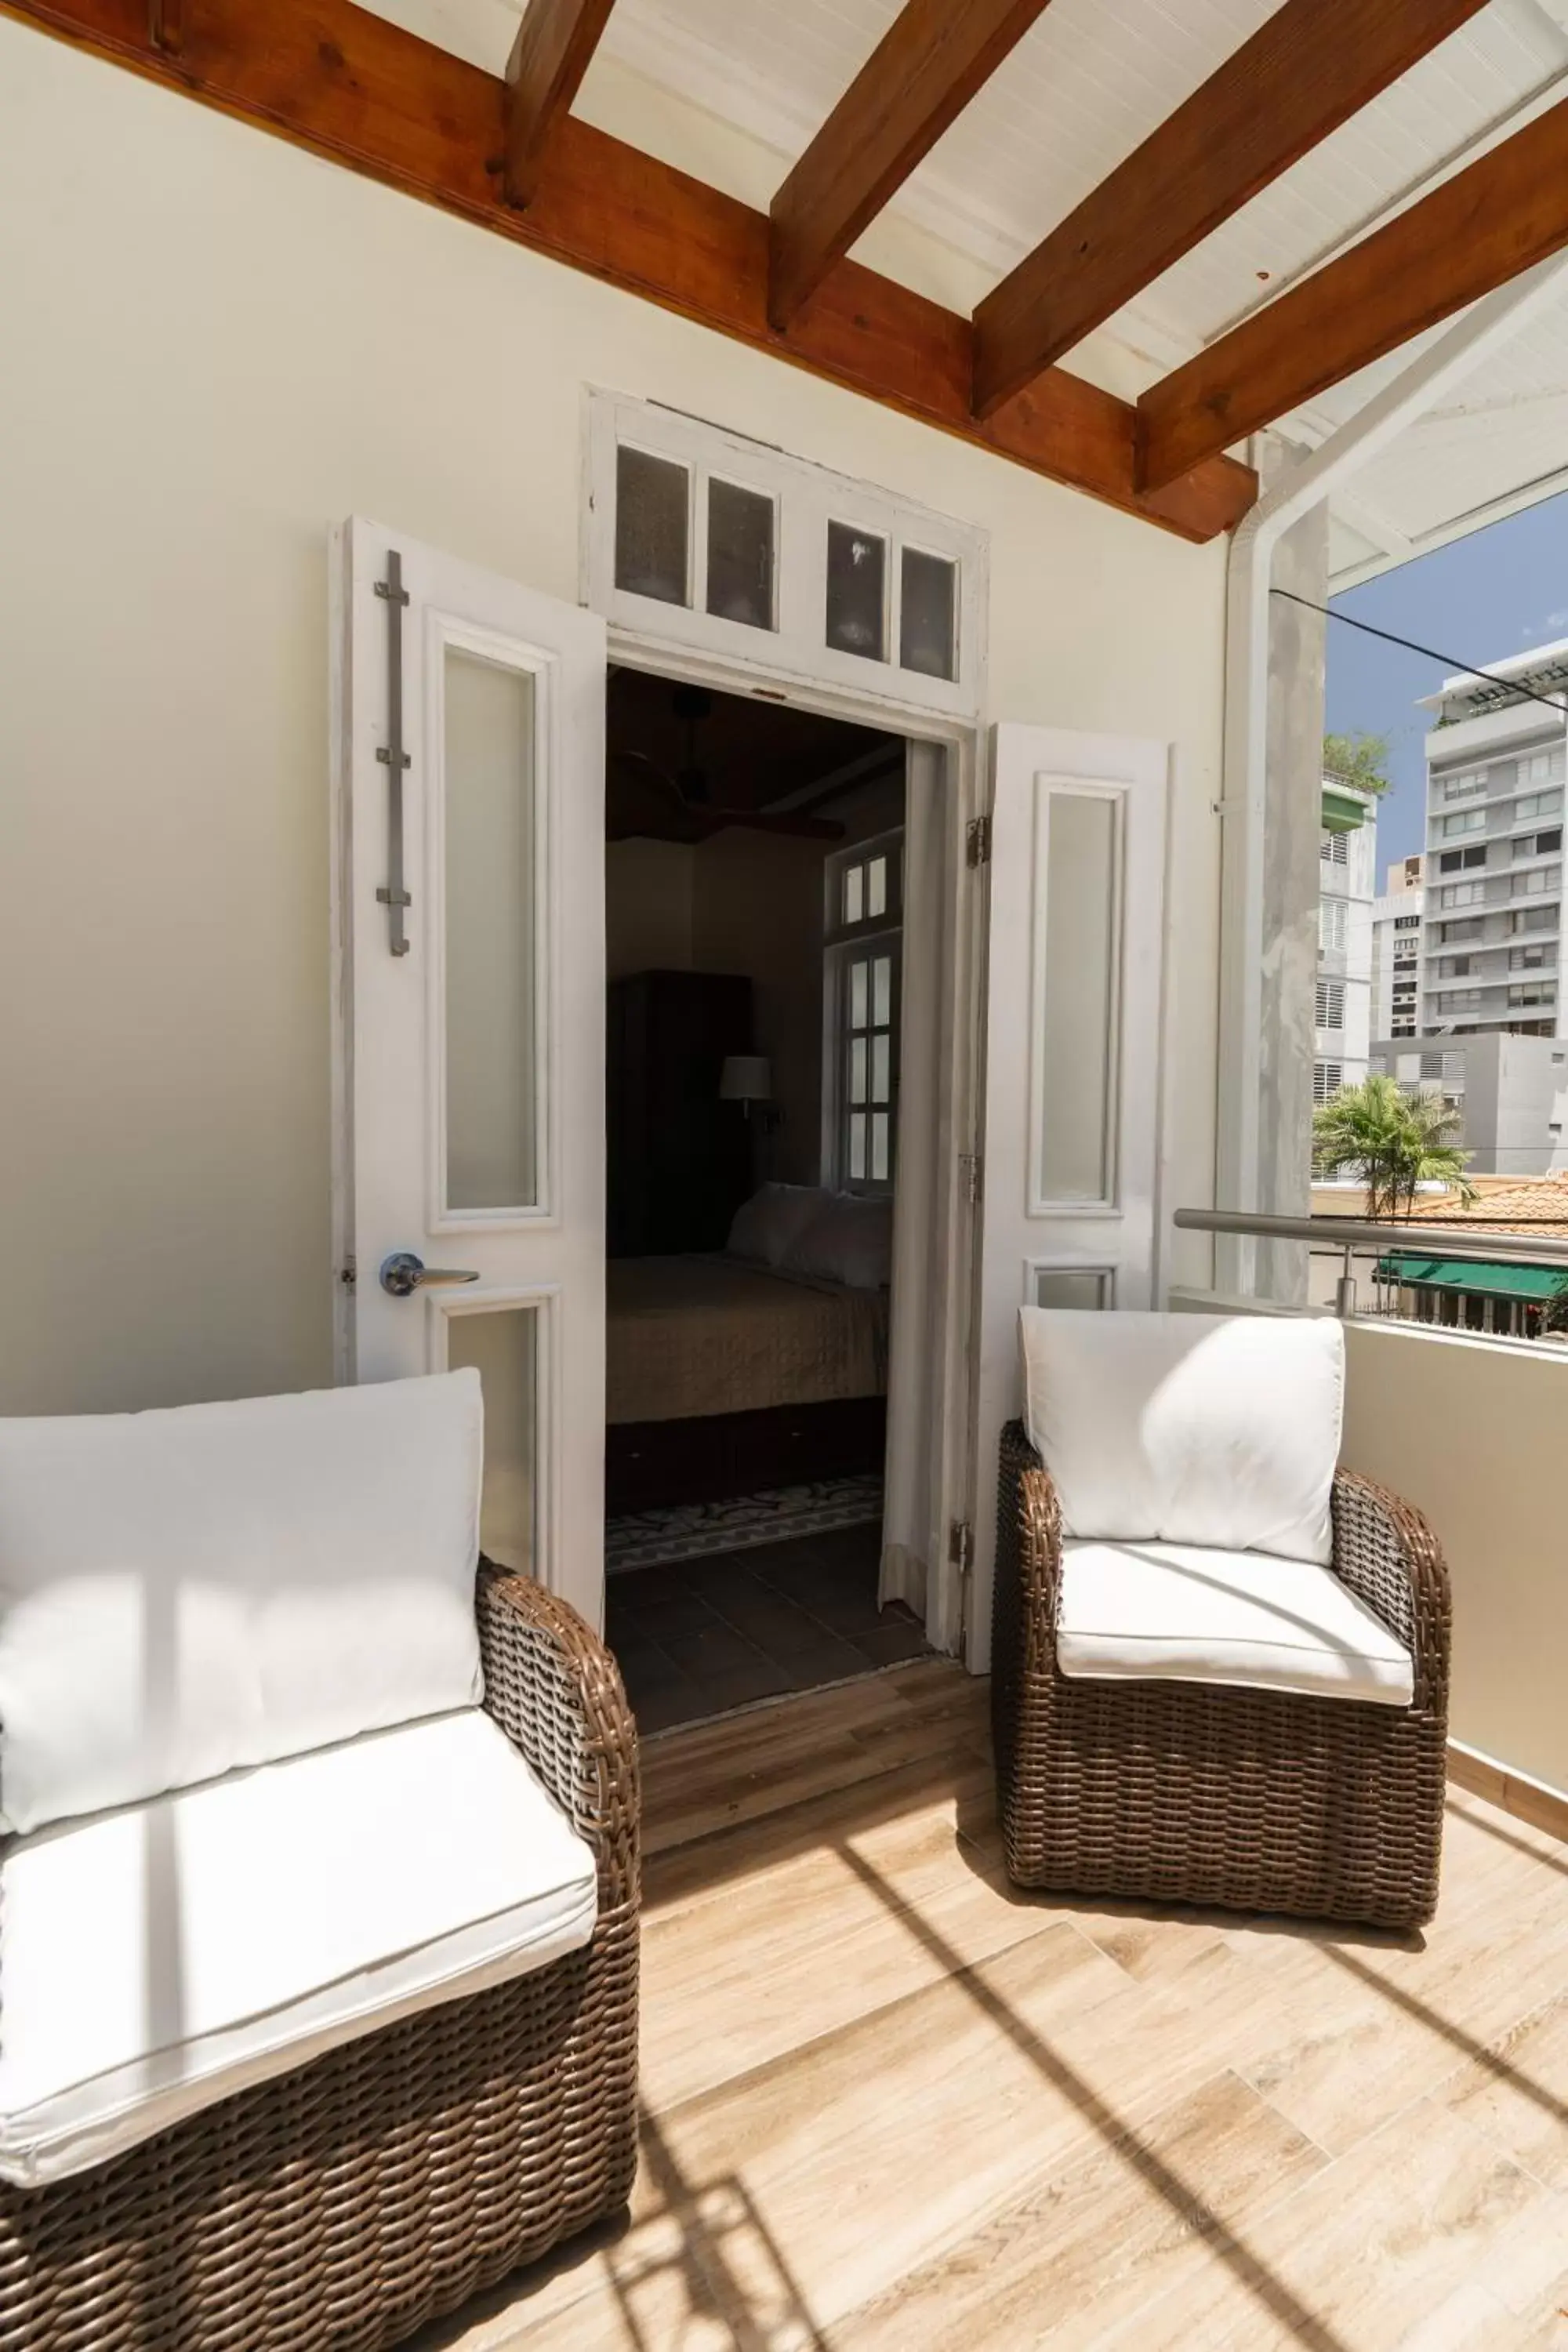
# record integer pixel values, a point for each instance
(182, 1592)
(766, 1225)
(1193, 1429)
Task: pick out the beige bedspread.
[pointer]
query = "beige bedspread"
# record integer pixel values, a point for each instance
(703, 1335)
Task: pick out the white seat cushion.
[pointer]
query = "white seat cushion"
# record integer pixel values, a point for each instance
(1137, 1611)
(1195, 1429)
(156, 1960)
(185, 1593)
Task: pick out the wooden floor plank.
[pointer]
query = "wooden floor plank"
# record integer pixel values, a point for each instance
(1100, 2240)
(893, 2104)
(1367, 2256)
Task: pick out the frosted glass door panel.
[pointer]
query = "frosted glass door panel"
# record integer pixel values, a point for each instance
(1080, 848)
(503, 1345)
(1085, 1288)
(490, 935)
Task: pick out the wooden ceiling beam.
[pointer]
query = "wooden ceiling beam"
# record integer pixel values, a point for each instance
(1309, 68)
(1471, 234)
(351, 86)
(553, 49)
(919, 78)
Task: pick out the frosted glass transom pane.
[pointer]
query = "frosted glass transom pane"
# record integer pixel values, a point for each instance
(1078, 1013)
(740, 555)
(853, 893)
(503, 1346)
(653, 509)
(929, 608)
(877, 887)
(857, 592)
(492, 1013)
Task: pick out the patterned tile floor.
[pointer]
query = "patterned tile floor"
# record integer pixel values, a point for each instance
(709, 1634)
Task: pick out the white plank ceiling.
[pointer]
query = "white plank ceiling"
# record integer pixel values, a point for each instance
(1089, 81)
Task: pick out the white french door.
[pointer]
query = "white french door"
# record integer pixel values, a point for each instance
(1074, 1023)
(470, 955)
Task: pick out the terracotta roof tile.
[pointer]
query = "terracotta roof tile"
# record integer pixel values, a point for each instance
(1538, 1205)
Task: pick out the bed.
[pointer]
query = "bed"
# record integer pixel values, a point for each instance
(727, 1377)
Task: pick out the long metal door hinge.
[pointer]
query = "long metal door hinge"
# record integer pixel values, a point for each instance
(971, 1176)
(961, 1546)
(977, 841)
(392, 755)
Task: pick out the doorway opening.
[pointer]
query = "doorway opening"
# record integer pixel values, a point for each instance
(756, 900)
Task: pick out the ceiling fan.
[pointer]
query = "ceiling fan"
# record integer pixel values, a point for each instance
(693, 813)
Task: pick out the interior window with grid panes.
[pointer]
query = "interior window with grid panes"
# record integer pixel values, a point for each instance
(864, 918)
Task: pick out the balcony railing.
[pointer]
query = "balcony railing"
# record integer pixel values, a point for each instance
(1355, 1240)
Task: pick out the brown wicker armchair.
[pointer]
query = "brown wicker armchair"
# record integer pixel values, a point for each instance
(1180, 1791)
(338, 2208)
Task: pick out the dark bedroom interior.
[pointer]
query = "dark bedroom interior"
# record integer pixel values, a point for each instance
(753, 917)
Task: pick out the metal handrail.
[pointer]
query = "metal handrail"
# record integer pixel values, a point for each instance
(1356, 1236)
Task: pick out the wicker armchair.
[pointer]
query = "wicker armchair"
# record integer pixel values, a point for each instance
(338, 2208)
(1180, 1791)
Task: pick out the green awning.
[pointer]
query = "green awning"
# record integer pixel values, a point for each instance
(1477, 1274)
(1343, 812)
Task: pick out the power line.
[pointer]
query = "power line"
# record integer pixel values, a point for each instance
(1451, 661)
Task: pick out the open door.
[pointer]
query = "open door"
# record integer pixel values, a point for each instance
(1074, 1020)
(469, 964)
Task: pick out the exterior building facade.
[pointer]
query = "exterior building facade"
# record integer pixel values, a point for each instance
(1511, 1092)
(1396, 951)
(1493, 937)
(1347, 848)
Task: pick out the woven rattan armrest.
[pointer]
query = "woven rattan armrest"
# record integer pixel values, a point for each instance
(1390, 1558)
(556, 1692)
(1039, 1540)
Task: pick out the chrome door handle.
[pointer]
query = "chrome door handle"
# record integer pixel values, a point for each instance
(403, 1274)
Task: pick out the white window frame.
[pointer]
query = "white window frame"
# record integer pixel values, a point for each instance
(845, 944)
(806, 497)
(1328, 1077)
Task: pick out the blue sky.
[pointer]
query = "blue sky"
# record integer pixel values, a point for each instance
(1479, 599)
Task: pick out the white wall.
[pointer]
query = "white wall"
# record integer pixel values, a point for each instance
(650, 906)
(215, 347)
(1471, 1431)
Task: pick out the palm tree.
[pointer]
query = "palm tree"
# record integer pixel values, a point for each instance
(1393, 1141)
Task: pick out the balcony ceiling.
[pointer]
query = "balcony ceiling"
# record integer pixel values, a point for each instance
(1079, 91)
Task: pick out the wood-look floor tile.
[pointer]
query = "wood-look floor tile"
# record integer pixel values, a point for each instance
(901, 2134)
(745, 1974)
(893, 2106)
(1096, 2243)
(1516, 2091)
(1364, 2257)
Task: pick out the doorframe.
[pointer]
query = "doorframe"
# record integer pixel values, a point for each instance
(967, 781)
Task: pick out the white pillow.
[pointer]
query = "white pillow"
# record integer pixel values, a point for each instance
(767, 1224)
(849, 1240)
(1193, 1429)
(183, 1592)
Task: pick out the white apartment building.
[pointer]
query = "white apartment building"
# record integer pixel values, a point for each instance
(1347, 846)
(1511, 1095)
(1492, 941)
(1396, 951)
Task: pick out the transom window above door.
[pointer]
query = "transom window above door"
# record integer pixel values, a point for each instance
(703, 539)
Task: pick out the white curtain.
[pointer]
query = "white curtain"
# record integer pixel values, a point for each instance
(912, 1537)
